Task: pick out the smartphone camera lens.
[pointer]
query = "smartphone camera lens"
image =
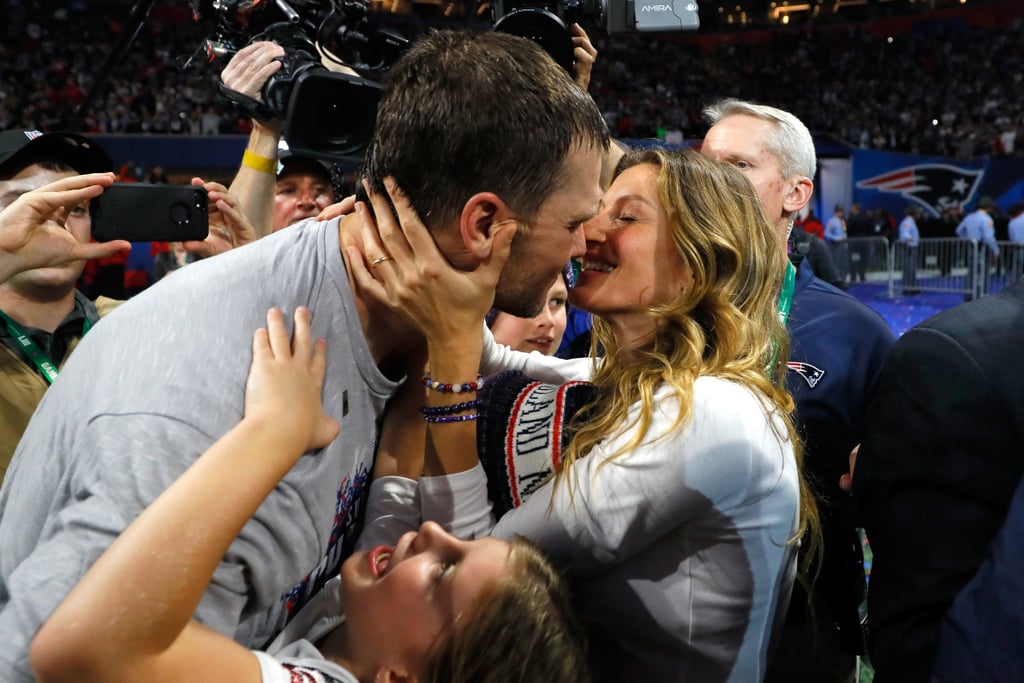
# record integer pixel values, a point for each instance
(180, 214)
(201, 201)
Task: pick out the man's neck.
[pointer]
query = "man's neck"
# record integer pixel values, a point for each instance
(390, 338)
(28, 311)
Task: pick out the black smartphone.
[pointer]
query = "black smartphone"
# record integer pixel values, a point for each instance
(148, 212)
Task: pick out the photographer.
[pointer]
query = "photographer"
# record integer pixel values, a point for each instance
(273, 192)
(301, 187)
(42, 314)
(45, 232)
(255, 181)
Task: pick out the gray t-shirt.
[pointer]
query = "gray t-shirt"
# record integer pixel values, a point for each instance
(151, 388)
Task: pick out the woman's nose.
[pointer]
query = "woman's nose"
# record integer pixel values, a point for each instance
(594, 230)
(432, 536)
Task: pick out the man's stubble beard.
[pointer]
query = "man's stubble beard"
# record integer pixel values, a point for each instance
(517, 292)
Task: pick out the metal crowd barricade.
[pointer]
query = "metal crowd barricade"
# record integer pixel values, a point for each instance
(1006, 269)
(937, 264)
(869, 260)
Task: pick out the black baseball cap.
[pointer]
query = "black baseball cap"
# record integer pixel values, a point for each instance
(287, 163)
(19, 148)
(298, 164)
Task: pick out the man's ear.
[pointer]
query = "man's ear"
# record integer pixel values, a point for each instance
(800, 191)
(480, 214)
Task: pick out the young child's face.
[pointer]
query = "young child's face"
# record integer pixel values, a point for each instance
(399, 601)
(543, 333)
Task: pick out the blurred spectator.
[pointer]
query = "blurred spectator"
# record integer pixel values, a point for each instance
(157, 174)
(1015, 230)
(835, 237)
(979, 227)
(43, 314)
(812, 225)
(910, 238)
(168, 261)
(861, 227)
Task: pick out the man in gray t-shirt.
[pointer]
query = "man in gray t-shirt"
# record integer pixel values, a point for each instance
(163, 377)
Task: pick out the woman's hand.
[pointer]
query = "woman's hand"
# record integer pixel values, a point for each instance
(286, 380)
(401, 266)
(229, 226)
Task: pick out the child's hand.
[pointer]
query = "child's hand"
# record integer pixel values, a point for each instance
(286, 380)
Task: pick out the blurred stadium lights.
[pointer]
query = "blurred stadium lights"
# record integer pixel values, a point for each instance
(718, 15)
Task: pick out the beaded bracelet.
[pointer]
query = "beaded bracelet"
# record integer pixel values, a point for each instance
(430, 411)
(449, 418)
(453, 388)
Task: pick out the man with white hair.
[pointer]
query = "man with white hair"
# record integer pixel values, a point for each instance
(837, 346)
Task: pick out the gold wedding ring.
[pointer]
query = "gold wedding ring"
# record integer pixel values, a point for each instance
(382, 259)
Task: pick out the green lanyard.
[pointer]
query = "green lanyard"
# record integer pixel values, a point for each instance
(32, 350)
(785, 301)
(786, 296)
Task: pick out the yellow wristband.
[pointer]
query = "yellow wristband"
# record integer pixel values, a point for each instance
(258, 163)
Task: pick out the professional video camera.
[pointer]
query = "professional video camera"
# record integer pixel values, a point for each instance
(547, 22)
(327, 114)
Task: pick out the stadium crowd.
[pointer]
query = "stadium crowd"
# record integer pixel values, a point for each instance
(674, 493)
(869, 89)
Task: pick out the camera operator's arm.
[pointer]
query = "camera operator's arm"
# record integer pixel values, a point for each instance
(255, 183)
(611, 159)
(583, 56)
(229, 226)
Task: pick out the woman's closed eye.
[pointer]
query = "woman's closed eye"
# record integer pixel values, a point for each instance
(442, 569)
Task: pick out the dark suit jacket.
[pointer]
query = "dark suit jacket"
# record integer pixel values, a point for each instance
(982, 639)
(943, 451)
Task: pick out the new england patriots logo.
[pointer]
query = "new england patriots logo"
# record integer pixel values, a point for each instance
(811, 374)
(933, 186)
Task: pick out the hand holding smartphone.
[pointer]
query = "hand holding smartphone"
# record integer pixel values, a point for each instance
(147, 212)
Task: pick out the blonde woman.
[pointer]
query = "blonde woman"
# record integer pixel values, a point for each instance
(679, 498)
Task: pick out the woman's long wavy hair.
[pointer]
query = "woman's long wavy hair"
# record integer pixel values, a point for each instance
(725, 325)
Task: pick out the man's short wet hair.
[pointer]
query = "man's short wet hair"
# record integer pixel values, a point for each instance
(464, 113)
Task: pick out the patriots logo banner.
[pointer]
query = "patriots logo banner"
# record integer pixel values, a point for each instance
(891, 181)
(932, 186)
